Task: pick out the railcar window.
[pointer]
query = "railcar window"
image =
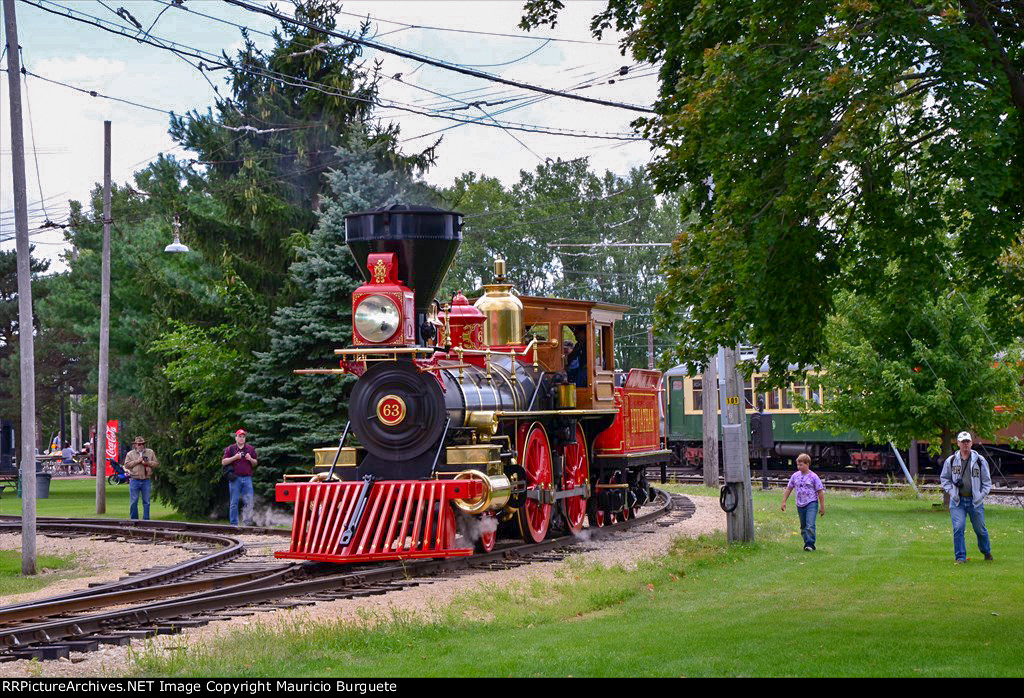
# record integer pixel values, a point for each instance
(799, 390)
(748, 393)
(773, 400)
(542, 332)
(698, 395)
(816, 394)
(604, 356)
(575, 354)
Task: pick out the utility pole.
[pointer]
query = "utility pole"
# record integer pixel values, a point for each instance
(710, 422)
(99, 452)
(63, 425)
(650, 347)
(26, 344)
(739, 521)
(76, 430)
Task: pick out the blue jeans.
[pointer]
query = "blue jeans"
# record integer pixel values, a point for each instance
(240, 488)
(808, 514)
(143, 487)
(959, 513)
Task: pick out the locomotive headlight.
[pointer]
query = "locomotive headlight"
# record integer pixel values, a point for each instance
(377, 318)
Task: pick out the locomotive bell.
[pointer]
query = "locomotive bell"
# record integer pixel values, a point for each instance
(465, 324)
(504, 311)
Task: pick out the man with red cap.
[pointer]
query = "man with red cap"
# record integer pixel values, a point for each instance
(238, 461)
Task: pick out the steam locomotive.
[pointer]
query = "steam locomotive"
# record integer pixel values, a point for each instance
(468, 423)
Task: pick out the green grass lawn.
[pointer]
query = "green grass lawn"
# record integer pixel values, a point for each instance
(11, 581)
(77, 498)
(880, 597)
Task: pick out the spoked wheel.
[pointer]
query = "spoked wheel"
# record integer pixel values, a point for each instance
(596, 516)
(576, 474)
(446, 536)
(534, 516)
(626, 513)
(484, 543)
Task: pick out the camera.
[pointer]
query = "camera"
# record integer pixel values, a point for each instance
(958, 483)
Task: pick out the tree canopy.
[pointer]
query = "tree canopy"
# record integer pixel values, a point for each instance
(291, 415)
(567, 231)
(816, 142)
(920, 367)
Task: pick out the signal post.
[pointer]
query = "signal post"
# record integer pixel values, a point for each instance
(735, 451)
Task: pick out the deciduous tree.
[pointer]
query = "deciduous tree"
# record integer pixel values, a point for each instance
(817, 141)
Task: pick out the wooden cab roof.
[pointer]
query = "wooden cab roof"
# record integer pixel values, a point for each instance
(602, 312)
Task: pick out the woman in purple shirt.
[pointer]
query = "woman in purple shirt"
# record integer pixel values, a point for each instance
(810, 498)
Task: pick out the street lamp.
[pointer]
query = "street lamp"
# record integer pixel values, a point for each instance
(176, 246)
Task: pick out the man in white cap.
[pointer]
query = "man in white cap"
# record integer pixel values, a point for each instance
(966, 479)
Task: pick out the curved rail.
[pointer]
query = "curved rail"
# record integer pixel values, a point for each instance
(230, 548)
(278, 585)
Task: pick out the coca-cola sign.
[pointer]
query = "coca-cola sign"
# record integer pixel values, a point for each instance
(111, 446)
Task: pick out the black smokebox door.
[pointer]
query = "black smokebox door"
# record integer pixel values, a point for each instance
(424, 411)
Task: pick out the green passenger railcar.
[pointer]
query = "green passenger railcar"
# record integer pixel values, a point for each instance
(684, 408)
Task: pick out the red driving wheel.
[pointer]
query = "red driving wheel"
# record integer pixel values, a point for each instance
(535, 458)
(488, 535)
(576, 474)
(446, 536)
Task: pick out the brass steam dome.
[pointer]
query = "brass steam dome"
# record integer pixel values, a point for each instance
(504, 311)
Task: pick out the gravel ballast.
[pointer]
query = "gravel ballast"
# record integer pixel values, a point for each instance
(627, 550)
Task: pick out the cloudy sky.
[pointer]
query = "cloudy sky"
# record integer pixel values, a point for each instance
(64, 128)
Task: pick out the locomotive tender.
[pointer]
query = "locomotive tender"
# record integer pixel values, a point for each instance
(468, 423)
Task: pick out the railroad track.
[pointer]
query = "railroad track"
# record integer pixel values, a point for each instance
(81, 622)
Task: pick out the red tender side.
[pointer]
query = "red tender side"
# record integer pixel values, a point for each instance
(637, 427)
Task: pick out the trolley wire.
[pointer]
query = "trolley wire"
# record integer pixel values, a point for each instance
(306, 84)
(246, 28)
(432, 61)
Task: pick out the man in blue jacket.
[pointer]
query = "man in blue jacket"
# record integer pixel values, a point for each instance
(966, 479)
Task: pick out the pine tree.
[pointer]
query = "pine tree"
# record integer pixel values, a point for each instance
(295, 414)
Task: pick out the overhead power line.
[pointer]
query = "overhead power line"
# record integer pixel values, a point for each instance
(384, 48)
(610, 244)
(69, 13)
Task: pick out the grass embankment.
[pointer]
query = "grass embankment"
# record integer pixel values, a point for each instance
(880, 597)
(77, 498)
(11, 581)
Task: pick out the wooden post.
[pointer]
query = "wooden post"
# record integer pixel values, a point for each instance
(99, 448)
(735, 442)
(710, 422)
(26, 346)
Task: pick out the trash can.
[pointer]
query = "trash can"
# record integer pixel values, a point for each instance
(42, 485)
